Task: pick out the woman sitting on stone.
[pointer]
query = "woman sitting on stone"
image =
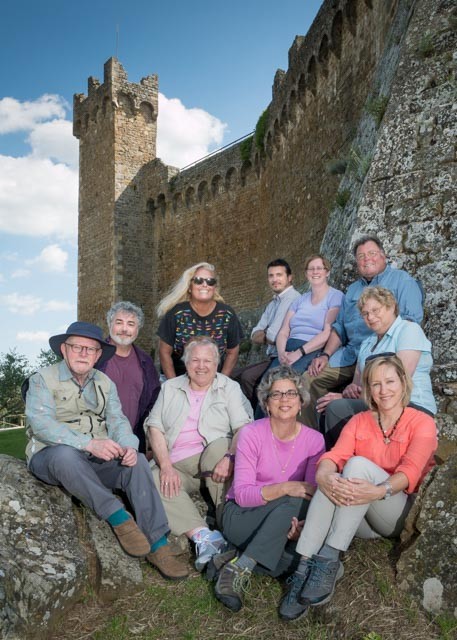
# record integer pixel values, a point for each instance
(192, 432)
(195, 307)
(307, 324)
(273, 482)
(392, 334)
(366, 483)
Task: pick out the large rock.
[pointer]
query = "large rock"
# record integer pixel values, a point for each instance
(50, 553)
(427, 569)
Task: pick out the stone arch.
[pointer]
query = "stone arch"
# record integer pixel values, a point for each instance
(151, 207)
(216, 186)
(126, 103)
(162, 204)
(202, 192)
(257, 164)
(323, 55)
(106, 105)
(312, 75)
(350, 12)
(190, 197)
(177, 201)
(293, 104)
(301, 88)
(147, 111)
(369, 4)
(276, 134)
(245, 173)
(230, 178)
(337, 35)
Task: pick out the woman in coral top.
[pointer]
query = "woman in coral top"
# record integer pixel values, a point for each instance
(366, 483)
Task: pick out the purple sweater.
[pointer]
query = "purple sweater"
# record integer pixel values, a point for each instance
(259, 462)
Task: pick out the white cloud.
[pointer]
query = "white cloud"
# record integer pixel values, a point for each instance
(52, 258)
(32, 336)
(20, 273)
(28, 305)
(185, 135)
(38, 198)
(25, 305)
(56, 305)
(55, 140)
(23, 116)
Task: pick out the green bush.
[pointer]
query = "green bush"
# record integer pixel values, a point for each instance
(260, 130)
(246, 148)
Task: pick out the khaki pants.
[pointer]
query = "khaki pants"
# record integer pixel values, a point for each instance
(329, 379)
(181, 511)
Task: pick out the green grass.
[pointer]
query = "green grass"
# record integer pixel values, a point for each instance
(12, 443)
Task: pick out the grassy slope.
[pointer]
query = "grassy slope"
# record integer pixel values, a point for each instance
(12, 443)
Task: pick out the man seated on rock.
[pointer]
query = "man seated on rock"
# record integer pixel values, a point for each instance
(334, 368)
(79, 438)
(130, 368)
(279, 275)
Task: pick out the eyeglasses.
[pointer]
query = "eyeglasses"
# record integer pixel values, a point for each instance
(375, 356)
(78, 348)
(277, 395)
(372, 312)
(368, 254)
(316, 269)
(211, 282)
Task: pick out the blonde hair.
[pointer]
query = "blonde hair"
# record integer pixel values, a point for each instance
(179, 291)
(385, 297)
(390, 361)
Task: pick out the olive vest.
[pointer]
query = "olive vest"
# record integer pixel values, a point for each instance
(71, 407)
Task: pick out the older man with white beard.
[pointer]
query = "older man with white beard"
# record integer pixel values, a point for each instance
(131, 369)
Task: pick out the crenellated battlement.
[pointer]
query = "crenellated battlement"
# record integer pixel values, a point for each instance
(115, 93)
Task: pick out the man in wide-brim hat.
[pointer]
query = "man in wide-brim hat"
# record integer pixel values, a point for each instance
(79, 438)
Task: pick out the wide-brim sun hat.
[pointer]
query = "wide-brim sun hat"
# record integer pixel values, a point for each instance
(84, 330)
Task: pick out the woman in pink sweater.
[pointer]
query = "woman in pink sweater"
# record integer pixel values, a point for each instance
(274, 479)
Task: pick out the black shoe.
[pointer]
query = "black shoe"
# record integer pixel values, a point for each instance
(217, 562)
(231, 584)
(290, 607)
(321, 581)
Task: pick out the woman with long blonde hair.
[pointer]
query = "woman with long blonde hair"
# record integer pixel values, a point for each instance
(194, 306)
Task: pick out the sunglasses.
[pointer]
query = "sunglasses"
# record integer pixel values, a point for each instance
(386, 354)
(211, 282)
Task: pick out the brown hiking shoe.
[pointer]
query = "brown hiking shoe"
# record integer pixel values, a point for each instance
(168, 565)
(132, 539)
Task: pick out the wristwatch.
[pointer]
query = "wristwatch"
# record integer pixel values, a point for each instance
(229, 455)
(303, 352)
(325, 354)
(388, 487)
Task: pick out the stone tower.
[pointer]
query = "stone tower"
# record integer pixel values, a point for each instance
(116, 125)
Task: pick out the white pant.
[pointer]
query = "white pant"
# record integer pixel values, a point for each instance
(336, 526)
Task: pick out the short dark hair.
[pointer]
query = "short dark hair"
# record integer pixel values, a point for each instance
(280, 262)
(363, 240)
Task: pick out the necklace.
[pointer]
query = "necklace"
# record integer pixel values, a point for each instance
(392, 430)
(284, 467)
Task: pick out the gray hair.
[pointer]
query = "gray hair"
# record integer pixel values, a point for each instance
(282, 372)
(200, 341)
(363, 240)
(127, 307)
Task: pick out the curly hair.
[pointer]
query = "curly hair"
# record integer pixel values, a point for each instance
(127, 307)
(200, 341)
(383, 296)
(282, 372)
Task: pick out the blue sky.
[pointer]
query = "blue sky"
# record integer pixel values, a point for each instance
(216, 63)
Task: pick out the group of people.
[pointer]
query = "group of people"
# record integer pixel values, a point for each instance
(344, 430)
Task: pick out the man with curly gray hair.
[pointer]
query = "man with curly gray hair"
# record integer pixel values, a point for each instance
(131, 369)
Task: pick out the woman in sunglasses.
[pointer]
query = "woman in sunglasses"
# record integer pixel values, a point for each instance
(366, 483)
(274, 480)
(391, 334)
(195, 307)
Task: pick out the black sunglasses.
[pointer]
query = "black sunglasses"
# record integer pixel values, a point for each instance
(386, 354)
(211, 282)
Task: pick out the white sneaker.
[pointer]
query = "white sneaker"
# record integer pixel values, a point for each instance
(207, 545)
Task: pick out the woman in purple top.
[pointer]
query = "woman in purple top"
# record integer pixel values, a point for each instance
(307, 324)
(274, 479)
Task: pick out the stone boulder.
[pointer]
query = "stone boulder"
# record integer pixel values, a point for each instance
(427, 567)
(51, 552)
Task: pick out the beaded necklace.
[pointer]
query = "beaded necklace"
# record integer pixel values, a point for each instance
(384, 432)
